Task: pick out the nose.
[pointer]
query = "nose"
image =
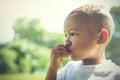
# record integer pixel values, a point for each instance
(68, 43)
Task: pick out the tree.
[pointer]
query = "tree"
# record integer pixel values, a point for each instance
(31, 56)
(29, 29)
(20, 54)
(7, 59)
(30, 49)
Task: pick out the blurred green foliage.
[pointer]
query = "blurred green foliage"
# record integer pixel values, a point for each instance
(30, 30)
(7, 60)
(32, 44)
(30, 49)
(113, 49)
(22, 76)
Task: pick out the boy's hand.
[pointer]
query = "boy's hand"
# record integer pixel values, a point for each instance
(57, 55)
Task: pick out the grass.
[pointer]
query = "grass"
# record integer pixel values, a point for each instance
(40, 76)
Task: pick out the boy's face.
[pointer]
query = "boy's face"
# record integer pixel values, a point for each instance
(82, 36)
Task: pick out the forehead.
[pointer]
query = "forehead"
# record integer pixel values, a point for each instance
(74, 23)
(80, 23)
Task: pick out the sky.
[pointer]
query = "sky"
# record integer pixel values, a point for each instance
(52, 13)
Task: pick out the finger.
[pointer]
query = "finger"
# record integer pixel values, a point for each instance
(61, 54)
(60, 47)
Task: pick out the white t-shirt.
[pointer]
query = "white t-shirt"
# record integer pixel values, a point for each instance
(74, 70)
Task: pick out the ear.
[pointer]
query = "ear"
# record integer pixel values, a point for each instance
(103, 36)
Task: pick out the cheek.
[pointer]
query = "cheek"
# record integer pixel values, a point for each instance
(77, 44)
(88, 45)
(82, 43)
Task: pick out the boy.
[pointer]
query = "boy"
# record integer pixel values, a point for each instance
(88, 30)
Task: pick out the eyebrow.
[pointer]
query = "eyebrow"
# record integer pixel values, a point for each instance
(71, 29)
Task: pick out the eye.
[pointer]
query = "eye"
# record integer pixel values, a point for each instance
(65, 35)
(73, 34)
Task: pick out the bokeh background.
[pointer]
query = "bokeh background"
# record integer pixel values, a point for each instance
(29, 29)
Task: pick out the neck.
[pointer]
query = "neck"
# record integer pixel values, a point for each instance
(92, 61)
(100, 57)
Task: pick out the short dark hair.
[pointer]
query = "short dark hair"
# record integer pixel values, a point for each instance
(97, 13)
